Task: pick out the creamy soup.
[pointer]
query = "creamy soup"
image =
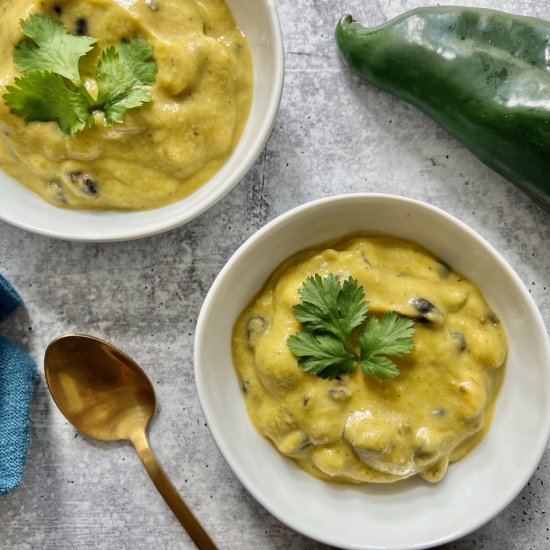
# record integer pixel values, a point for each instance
(357, 428)
(165, 149)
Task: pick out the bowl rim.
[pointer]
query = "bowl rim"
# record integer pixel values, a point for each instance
(201, 380)
(177, 219)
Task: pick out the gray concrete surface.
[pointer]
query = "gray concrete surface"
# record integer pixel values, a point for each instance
(333, 134)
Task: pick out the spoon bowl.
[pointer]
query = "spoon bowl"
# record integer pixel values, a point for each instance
(102, 391)
(106, 395)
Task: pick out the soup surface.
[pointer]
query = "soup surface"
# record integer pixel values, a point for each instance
(165, 149)
(360, 429)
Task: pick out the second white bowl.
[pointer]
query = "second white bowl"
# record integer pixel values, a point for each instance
(410, 513)
(259, 22)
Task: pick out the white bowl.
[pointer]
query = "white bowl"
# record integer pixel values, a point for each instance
(410, 513)
(259, 21)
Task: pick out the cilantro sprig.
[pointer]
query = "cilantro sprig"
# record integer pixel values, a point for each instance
(52, 90)
(330, 313)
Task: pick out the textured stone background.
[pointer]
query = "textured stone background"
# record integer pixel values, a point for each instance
(333, 134)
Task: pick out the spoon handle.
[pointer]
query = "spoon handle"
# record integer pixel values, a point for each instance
(170, 494)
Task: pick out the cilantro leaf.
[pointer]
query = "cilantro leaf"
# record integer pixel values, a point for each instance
(331, 308)
(121, 74)
(51, 88)
(330, 312)
(321, 354)
(389, 335)
(379, 367)
(43, 97)
(50, 48)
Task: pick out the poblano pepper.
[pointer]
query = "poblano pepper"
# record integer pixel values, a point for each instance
(483, 75)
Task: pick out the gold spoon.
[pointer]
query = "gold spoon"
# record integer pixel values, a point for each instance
(105, 394)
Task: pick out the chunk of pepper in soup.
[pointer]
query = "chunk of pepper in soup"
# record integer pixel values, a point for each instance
(165, 149)
(355, 428)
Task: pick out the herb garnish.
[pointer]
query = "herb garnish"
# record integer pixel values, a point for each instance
(52, 89)
(329, 313)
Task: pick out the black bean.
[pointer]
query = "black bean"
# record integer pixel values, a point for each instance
(57, 9)
(493, 319)
(306, 400)
(91, 186)
(85, 183)
(422, 305)
(460, 340)
(427, 312)
(81, 27)
(256, 327)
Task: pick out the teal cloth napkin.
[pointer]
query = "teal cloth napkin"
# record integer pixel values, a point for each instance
(17, 377)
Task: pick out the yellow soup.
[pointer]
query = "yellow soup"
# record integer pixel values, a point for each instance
(165, 149)
(356, 428)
